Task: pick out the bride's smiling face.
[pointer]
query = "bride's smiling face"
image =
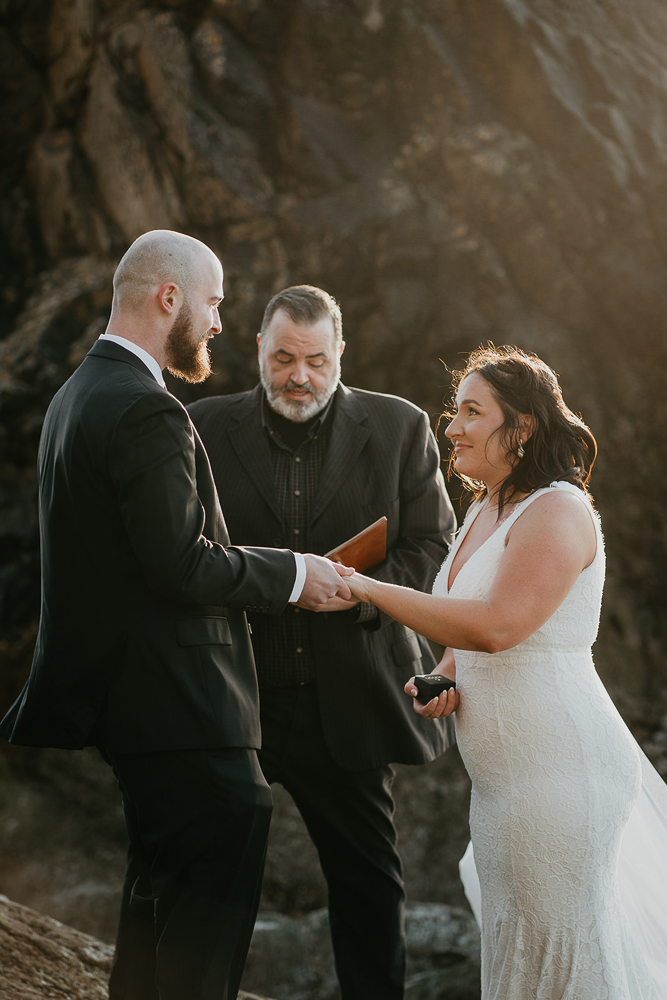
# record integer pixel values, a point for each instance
(477, 434)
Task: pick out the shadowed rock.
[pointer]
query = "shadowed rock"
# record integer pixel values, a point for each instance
(451, 172)
(41, 958)
(295, 955)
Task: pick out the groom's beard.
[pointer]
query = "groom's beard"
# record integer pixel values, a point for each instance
(187, 358)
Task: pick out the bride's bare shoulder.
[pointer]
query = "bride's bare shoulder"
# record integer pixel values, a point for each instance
(555, 502)
(558, 512)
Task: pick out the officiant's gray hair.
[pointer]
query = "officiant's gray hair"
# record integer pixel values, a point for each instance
(305, 305)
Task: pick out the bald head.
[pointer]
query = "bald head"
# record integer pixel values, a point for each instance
(167, 290)
(154, 259)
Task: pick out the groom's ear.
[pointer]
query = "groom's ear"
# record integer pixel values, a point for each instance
(169, 297)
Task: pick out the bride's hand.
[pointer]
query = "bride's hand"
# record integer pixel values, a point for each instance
(437, 708)
(359, 585)
(445, 703)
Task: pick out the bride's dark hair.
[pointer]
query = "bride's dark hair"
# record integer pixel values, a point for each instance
(561, 447)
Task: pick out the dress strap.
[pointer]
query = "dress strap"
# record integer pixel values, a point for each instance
(557, 485)
(520, 507)
(564, 488)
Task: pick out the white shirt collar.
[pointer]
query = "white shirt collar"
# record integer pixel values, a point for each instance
(143, 355)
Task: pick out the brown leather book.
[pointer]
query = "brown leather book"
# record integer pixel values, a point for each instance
(364, 550)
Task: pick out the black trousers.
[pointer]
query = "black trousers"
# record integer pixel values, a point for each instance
(349, 816)
(198, 824)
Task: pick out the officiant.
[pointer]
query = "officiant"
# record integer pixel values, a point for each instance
(303, 462)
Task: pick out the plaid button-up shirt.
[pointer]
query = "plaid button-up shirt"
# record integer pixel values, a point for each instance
(284, 654)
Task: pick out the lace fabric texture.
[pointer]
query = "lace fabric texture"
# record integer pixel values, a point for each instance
(555, 777)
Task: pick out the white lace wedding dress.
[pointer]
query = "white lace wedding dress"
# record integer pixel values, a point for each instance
(556, 775)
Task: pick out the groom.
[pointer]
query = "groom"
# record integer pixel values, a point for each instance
(143, 646)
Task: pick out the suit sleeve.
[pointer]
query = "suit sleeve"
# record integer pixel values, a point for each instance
(151, 462)
(426, 516)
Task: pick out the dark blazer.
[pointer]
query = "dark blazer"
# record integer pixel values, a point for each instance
(143, 642)
(382, 458)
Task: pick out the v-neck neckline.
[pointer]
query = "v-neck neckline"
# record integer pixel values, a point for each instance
(464, 534)
(530, 496)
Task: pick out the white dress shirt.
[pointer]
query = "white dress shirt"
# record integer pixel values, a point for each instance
(300, 577)
(156, 372)
(143, 355)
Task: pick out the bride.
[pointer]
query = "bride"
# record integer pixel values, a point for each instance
(555, 773)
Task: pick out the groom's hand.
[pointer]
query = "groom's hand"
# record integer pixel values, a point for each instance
(446, 702)
(324, 580)
(338, 604)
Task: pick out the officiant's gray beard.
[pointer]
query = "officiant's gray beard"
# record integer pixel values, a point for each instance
(293, 409)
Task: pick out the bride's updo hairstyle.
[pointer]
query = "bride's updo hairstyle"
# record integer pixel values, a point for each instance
(561, 446)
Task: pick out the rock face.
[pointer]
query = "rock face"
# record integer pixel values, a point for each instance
(452, 171)
(295, 955)
(43, 958)
(40, 957)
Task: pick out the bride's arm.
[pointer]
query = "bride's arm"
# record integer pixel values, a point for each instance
(547, 548)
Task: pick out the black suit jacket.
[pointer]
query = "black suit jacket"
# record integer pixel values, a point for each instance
(382, 459)
(143, 642)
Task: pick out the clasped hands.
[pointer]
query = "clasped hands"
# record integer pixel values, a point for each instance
(331, 586)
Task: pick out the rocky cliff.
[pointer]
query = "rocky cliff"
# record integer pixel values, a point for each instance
(40, 958)
(451, 170)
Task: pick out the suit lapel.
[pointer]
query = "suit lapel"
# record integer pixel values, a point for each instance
(250, 443)
(348, 437)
